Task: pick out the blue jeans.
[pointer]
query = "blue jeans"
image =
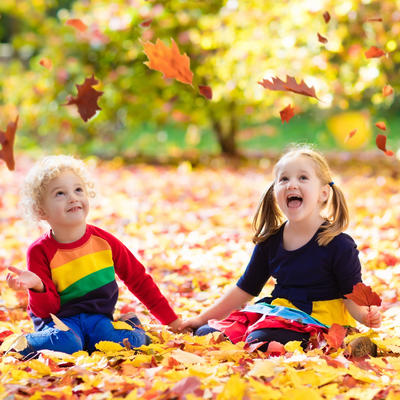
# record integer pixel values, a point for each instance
(85, 331)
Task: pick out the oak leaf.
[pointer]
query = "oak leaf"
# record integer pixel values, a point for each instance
(374, 52)
(77, 23)
(335, 336)
(363, 295)
(7, 139)
(387, 91)
(287, 113)
(205, 91)
(381, 144)
(86, 100)
(169, 61)
(321, 38)
(289, 86)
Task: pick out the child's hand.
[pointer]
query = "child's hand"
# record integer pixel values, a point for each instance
(191, 323)
(175, 326)
(372, 317)
(23, 280)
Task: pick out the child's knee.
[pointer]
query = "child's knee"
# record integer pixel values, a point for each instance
(138, 338)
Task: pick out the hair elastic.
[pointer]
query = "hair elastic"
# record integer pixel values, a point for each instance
(331, 183)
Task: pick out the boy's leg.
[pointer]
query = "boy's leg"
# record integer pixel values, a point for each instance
(52, 338)
(205, 330)
(278, 335)
(99, 327)
(131, 319)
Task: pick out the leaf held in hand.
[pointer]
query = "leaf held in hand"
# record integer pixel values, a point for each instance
(7, 139)
(169, 61)
(86, 100)
(205, 91)
(287, 113)
(58, 323)
(77, 23)
(381, 144)
(363, 295)
(374, 52)
(289, 86)
(335, 336)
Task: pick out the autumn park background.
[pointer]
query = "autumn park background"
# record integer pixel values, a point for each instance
(182, 152)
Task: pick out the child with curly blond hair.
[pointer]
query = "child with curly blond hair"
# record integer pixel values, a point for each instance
(71, 269)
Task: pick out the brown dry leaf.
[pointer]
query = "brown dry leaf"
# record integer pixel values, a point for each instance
(289, 86)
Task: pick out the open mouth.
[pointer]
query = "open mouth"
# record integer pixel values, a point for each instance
(294, 201)
(74, 209)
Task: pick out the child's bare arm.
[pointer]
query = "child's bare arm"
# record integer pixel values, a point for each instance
(20, 279)
(234, 299)
(369, 316)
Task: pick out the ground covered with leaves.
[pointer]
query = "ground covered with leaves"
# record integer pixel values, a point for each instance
(192, 230)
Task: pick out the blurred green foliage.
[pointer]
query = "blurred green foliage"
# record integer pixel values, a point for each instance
(232, 45)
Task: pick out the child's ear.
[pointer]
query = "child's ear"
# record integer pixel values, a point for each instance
(324, 194)
(41, 213)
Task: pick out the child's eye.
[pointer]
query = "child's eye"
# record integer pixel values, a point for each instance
(283, 179)
(59, 193)
(79, 189)
(303, 177)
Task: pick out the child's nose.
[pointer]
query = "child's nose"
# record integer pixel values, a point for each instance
(292, 183)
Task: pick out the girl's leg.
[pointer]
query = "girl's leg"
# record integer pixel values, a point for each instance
(99, 327)
(278, 335)
(205, 330)
(52, 338)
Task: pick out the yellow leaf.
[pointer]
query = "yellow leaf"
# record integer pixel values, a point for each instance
(301, 393)
(263, 391)
(364, 393)
(235, 388)
(58, 323)
(141, 359)
(121, 325)
(109, 347)
(16, 341)
(393, 395)
(388, 344)
(362, 375)
(38, 366)
(294, 345)
(264, 368)
(184, 357)
(9, 298)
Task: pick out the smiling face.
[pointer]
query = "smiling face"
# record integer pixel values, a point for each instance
(298, 190)
(65, 203)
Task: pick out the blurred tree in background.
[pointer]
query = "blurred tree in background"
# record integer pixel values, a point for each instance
(232, 46)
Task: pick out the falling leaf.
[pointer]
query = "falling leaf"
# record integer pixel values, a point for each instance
(375, 19)
(290, 85)
(7, 139)
(322, 39)
(206, 91)
(350, 135)
(381, 125)
(287, 113)
(77, 23)
(363, 294)
(86, 100)
(327, 16)
(169, 61)
(374, 52)
(381, 144)
(335, 336)
(58, 323)
(387, 91)
(46, 63)
(146, 23)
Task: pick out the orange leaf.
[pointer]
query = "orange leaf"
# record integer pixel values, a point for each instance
(322, 39)
(275, 349)
(287, 113)
(205, 91)
(350, 135)
(327, 16)
(46, 63)
(381, 144)
(77, 23)
(86, 100)
(381, 125)
(290, 86)
(363, 295)
(387, 91)
(146, 23)
(169, 61)
(374, 52)
(7, 139)
(335, 336)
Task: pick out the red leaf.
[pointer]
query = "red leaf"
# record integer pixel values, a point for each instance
(287, 113)
(326, 16)
(381, 144)
(374, 52)
(381, 125)
(290, 86)
(275, 349)
(86, 99)
(363, 294)
(335, 336)
(7, 139)
(350, 135)
(77, 23)
(205, 91)
(322, 39)
(169, 61)
(46, 63)
(387, 91)
(146, 23)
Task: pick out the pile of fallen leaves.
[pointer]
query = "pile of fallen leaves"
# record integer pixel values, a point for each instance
(192, 230)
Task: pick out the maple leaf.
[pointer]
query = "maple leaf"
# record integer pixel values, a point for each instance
(363, 295)
(205, 91)
(381, 144)
(7, 139)
(169, 61)
(287, 113)
(381, 125)
(290, 85)
(77, 23)
(327, 16)
(374, 52)
(322, 39)
(46, 63)
(86, 100)
(350, 135)
(335, 336)
(387, 91)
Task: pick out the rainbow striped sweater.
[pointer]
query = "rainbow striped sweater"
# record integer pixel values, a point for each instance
(79, 277)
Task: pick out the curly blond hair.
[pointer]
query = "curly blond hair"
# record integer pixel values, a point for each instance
(42, 173)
